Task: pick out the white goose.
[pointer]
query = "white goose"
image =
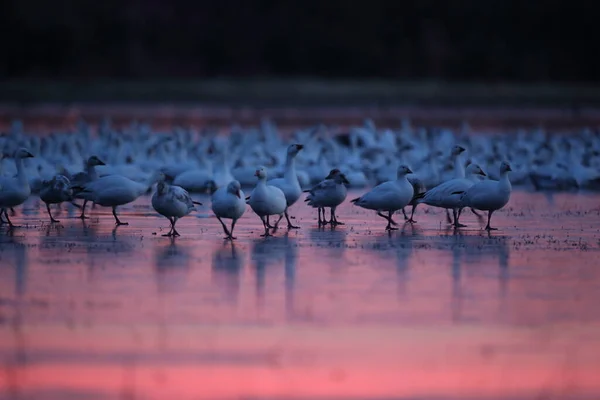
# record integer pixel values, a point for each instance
(56, 191)
(489, 195)
(228, 202)
(15, 191)
(448, 194)
(82, 178)
(116, 190)
(266, 199)
(289, 184)
(388, 196)
(330, 192)
(172, 202)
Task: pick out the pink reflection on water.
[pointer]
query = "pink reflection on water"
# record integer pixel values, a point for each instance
(86, 311)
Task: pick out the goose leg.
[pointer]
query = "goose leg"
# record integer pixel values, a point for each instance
(231, 237)
(175, 233)
(277, 223)
(267, 233)
(475, 212)
(82, 216)
(404, 213)
(114, 211)
(488, 227)
(290, 225)
(448, 218)
(52, 220)
(389, 226)
(334, 218)
(412, 214)
(269, 224)
(224, 228)
(170, 233)
(456, 214)
(2, 221)
(10, 224)
(320, 221)
(390, 220)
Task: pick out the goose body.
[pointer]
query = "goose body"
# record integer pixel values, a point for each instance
(489, 195)
(289, 184)
(172, 202)
(56, 191)
(267, 200)
(330, 192)
(14, 191)
(388, 196)
(228, 202)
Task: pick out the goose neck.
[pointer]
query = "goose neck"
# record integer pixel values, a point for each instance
(290, 167)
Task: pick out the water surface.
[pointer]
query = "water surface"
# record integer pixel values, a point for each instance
(92, 312)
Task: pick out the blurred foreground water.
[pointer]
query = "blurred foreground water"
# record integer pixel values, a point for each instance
(92, 312)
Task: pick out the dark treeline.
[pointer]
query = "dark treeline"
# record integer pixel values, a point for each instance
(484, 40)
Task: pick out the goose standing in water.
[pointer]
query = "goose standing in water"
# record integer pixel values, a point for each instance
(15, 191)
(172, 202)
(448, 194)
(115, 190)
(489, 195)
(82, 178)
(330, 192)
(228, 202)
(266, 199)
(388, 196)
(56, 191)
(289, 184)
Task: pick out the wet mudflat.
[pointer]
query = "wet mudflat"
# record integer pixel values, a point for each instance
(92, 312)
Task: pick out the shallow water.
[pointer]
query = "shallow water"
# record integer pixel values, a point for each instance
(90, 312)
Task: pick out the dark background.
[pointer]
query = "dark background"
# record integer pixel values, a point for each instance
(485, 40)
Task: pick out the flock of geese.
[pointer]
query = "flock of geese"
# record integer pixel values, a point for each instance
(140, 162)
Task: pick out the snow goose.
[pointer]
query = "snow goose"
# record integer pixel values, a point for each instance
(55, 191)
(289, 184)
(80, 179)
(15, 190)
(489, 195)
(448, 194)
(266, 199)
(228, 202)
(388, 196)
(172, 202)
(116, 190)
(331, 192)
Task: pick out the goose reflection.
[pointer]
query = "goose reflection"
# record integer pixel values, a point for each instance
(171, 264)
(266, 254)
(227, 265)
(332, 239)
(13, 272)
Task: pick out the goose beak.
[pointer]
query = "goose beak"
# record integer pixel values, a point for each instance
(461, 149)
(482, 173)
(29, 155)
(257, 173)
(409, 171)
(100, 162)
(300, 146)
(508, 168)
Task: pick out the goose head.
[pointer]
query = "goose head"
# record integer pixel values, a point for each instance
(294, 149)
(234, 188)
(403, 170)
(22, 153)
(456, 150)
(337, 176)
(94, 161)
(261, 173)
(475, 169)
(505, 167)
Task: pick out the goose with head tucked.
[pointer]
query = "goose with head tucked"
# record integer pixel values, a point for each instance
(489, 195)
(116, 190)
(267, 199)
(55, 191)
(330, 192)
(15, 191)
(172, 202)
(228, 202)
(388, 197)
